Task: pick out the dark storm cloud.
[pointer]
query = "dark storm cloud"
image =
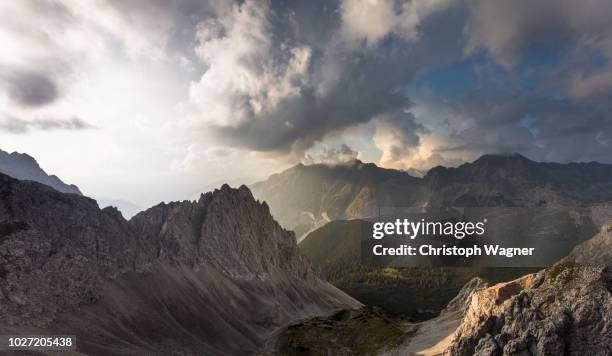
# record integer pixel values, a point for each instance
(345, 84)
(492, 120)
(30, 89)
(20, 126)
(552, 107)
(279, 77)
(368, 86)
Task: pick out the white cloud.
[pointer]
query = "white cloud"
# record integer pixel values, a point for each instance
(243, 78)
(372, 20)
(398, 138)
(323, 153)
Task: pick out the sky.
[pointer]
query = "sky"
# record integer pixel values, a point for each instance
(158, 100)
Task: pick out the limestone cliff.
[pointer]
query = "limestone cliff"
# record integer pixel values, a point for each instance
(559, 311)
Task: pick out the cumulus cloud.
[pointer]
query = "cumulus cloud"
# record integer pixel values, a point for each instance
(270, 87)
(398, 137)
(330, 155)
(276, 82)
(62, 43)
(372, 20)
(544, 81)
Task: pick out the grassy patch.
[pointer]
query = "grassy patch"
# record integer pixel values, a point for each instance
(358, 332)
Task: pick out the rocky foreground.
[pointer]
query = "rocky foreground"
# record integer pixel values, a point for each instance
(565, 309)
(562, 310)
(559, 311)
(214, 276)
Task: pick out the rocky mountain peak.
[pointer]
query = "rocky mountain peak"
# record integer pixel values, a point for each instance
(68, 267)
(226, 228)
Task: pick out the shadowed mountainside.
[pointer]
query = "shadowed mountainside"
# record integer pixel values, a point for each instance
(23, 167)
(215, 276)
(303, 198)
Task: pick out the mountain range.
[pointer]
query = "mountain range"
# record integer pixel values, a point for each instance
(220, 276)
(24, 167)
(304, 198)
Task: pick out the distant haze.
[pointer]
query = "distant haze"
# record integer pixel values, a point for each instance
(157, 101)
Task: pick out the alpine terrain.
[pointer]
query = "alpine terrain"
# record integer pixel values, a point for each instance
(216, 276)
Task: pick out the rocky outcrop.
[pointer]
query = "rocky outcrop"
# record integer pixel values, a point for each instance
(215, 276)
(561, 310)
(432, 336)
(23, 167)
(596, 251)
(460, 304)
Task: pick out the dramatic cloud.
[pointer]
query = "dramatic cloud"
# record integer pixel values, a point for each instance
(554, 88)
(189, 90)
(269, 87)
(397, 136)
(506, 28)
(372, 20)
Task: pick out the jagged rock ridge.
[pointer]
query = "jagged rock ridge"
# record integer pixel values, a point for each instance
(226, 229)
(215, 276)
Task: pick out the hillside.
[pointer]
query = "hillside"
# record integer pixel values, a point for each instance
(303, 198)
(146, 286)
(416, 293)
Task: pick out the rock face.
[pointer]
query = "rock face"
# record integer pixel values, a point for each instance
(226, 229)
(596, 251)
(432, 336)
(54, 250)
(559, 311)
(24, 167)
(215, 276)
